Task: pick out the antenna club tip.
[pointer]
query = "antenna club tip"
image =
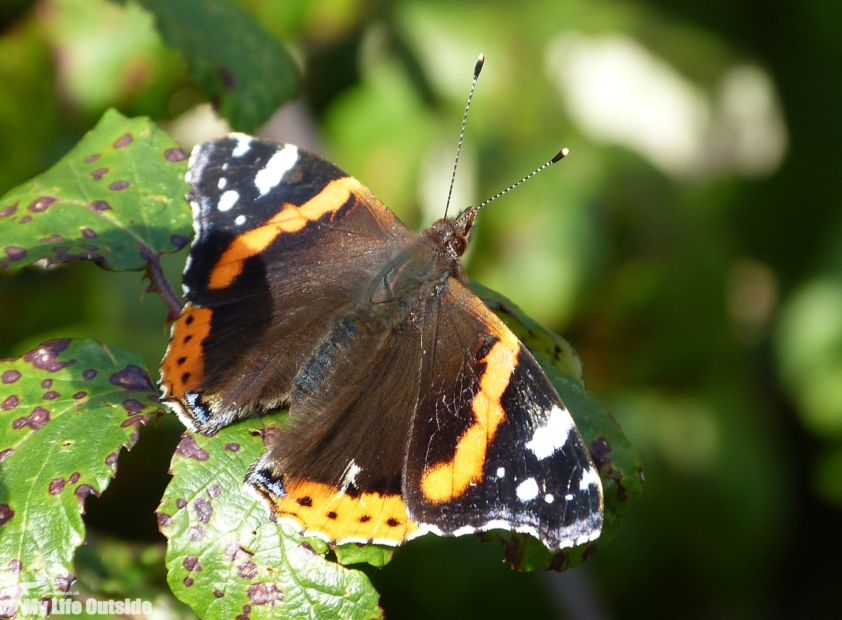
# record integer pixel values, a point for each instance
(561, 155)
(478, 67)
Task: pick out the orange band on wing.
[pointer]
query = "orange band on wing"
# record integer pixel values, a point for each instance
(289, 220)
(183, 367)
(451, 479)
(327, 512)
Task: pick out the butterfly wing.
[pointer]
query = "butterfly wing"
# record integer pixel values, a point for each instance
(492, 445)
(337, 471)
(284, 240)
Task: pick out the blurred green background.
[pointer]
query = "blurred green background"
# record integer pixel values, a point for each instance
(690, 248)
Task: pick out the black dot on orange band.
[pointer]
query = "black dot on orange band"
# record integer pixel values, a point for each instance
(187, 339)
(181, 360)
(365, 518)
(392, 522)
(185, 377)
(331, 515)
(305, 501)
(189, 319)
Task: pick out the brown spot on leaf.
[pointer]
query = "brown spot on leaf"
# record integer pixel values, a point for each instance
(15, 566)
(47, 383)
(88, 233)
(35, 420)
(247, 570)
(132, 406)
(45, 357)
(191, 563)
(218, 594)
(10, 210)
(132, 379)
(60, 249)
(188, 581)
(124, 140)
(51, 395)
(14, 252)
(232, 447)
(175, 155)
(99, 206)
(599, 454)
(57, 485)
(164, 520)
(51, 239)
(4, 454)
(180, 503)
(74, 477)
(41, 205)
(82, 491)
(10, 376)
(214, 490)
(111, 459)
(10, 403)
(97, 174)
(6, 513)
(264, 594)
(203, 509)
(25, 219)
(118, 186)
(189, 448)
(89, 374)
(62, 583)
(195, 533)
(227, 78)
(79, 395)
(179, 241)
(91, 158)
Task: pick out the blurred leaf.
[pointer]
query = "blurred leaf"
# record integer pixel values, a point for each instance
(225, 554)
(245, 69)
(116, 199)
(67, 408)
(809, 347)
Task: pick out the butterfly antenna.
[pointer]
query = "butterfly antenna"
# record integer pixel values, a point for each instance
(561, 155)
(477, 69)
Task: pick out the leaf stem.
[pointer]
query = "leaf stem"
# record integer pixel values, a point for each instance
(159, 284)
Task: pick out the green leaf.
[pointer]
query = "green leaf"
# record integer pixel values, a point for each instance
(66, 408)
(117, 198)
(226, 554)
(618, 463)
(244, 68)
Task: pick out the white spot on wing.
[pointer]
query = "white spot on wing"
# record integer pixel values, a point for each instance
(243, 144)
(501, 472)
(349, 476)
(589, 477)
(240, 220)
(569, 497)
(222, 183)
(228, 200)
(273, 172)
(549, 498)
(527, 490)
(553, 435)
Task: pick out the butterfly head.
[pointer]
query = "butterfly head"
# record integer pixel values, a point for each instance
(450, 236)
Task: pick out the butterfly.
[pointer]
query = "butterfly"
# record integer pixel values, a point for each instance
(412, 407)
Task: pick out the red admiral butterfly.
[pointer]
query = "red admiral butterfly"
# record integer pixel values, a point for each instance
(413, 408)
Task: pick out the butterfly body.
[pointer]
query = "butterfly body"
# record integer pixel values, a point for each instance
(413, 408)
